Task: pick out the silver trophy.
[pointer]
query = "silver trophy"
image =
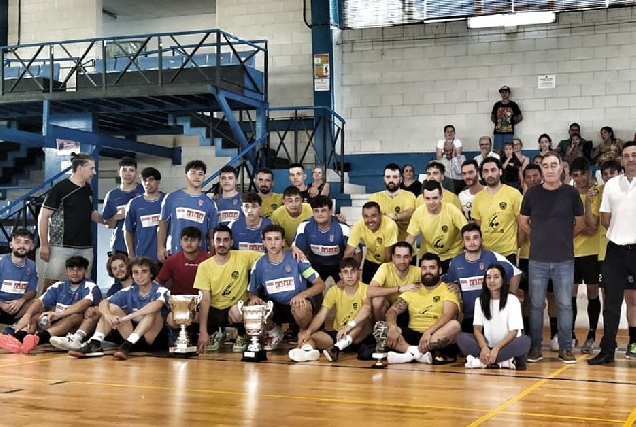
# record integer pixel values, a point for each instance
(255, 317)
(380, 331)
(184, 309)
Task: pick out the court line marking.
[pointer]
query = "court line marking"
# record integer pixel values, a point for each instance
(317, 399)
(499, 409)
(32, 361)
(631, 419)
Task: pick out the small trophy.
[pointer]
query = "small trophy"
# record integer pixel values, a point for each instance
(380, 331)
(254, 317)
(184, 309)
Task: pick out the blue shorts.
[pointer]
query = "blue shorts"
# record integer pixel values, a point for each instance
(500, 138)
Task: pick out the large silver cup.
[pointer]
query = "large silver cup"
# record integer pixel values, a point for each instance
(184, 309)
(380, 331)
(255, 317)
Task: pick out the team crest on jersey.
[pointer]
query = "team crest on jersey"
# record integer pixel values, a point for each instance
(397, 209)
(355, 305)
(235, 274)
(235, 202)
(481, 266)
(503, 206)
(28, 271)
(200, 202)
(444, 228)
(274, 206)
(331, 238)
(379, 240)
(436, 299)
(288, 268)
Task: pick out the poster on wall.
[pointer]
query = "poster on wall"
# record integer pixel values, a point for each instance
(321, 72)
(65, 147)
(546, 81)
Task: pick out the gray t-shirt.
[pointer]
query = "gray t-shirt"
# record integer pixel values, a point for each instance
(552, 215)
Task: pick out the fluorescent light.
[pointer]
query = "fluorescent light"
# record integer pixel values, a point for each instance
(511, 19)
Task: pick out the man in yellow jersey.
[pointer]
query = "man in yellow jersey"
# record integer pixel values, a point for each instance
(495, 210)
(432, 327)
(394, 202)
(435, 172)
(393, 278)
(379, 234)
(351, 325)
(439, 224)
(271, 200)
(292, 213)
(223, 280)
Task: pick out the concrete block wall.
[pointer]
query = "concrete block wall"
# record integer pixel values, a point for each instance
(401, 85)
(113, 27)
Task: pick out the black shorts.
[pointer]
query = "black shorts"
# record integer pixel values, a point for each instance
(524, 284)
(326, 271)
(161, 343)
(218, 318)
(353, 348)
(629, 285)
(512, 258)
(586, 270)
(369, 268)
(282, 313)
(6, 318)
(411, 337)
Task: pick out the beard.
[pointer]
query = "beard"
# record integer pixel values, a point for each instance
(17, 254)
(264, 190)
(122, 278)
(430, 279)
(392, 186)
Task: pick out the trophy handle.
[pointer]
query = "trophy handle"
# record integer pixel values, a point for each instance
(270, 308)
(239, 305)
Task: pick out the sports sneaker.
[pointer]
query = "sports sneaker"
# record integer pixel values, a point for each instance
(566, 356)
(69, 342)
(304, 354)
(554, 344)
(507, 364)
(29, 343)
(216, 340)
(425, 358)
(273, 338)
(394, 357)
(9, 330)
(473, 362)
(588, 345)
(291, 335)
(10, 343)
(631, 351)
(535, 355)
(92, 348)
(240, 344)
(124, 351)
(332, 353)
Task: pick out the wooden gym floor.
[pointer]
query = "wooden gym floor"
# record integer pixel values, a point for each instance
(49, 388)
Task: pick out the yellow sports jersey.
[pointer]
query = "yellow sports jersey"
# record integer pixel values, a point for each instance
(376, 242)
(586, 245)
(281, 217)
(387, 276)
(346, 306)
(395, 205)
(524, 250)
(270, 204)
(441, 233)
(227, 283)
(497, 214)
(602, 231)
(447, 197)
(427, 306)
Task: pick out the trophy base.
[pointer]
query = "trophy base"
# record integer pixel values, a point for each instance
(379, 362)
(190, 351)
(254, 356)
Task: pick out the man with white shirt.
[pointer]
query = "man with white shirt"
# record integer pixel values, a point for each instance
(470, 175)
(485, 150)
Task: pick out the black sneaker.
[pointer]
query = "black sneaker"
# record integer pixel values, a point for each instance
(602, 358)
(332, 353)
(291, 335)
(92, 348)
(124, 351)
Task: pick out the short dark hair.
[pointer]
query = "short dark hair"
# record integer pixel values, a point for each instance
(297, 165)
(611, 165)
(141, 261)
(291, 191)
(510, 143)
(575, 124)
(21, 232)
(580, 164)
(219, 228)
(273, 228)
(321, 201)
(251, 197)
(128, 161)
(191, 232)
(349, 262)
(436, 165)
(196, 164)
(471, 226)
(392, 167)
(448, 126)
(628, 143)
(402, 244)
(372, 205)
(80, 159)
(490, 159)
(532, 166)
(266, 171)
(150, 172)
(430, 256)
(76, 261)
(115, 257)
(470, 162)
(229, 169)
(431, 186)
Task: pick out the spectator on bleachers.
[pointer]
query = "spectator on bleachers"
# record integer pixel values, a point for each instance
(409, 182)
(545, 144)
(505, 115)
(297, 178)
(575, 149)
(517, 146)
(609, 148)
(318, 187)
(485, 150)
(586, 146)
(435, 172)
(453, 165)
(511, 166)
(449, 140)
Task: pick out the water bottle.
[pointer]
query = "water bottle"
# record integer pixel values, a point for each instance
(44, 322)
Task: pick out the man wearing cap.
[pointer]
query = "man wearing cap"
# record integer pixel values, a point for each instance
(505, 115)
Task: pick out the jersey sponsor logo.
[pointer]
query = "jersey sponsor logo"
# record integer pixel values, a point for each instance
(191, 214)
(471, 283)
(149, 220)
(228, 290)
(228, 215)
(14, 287)
(437, 242)
(323, 250)
(284, 284)
(494, 221)
(248, 246)
(61, 307)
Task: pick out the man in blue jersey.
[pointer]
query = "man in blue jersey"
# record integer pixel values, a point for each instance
(58, 311)
(323, 239)
(136, 313)
(247, 229)
(467, 270)
(142, 217)
(283, 280)
(229, 201)
(19, 278)
(116, 200)
(185, 207)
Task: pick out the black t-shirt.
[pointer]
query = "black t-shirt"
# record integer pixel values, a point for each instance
(505, 116)
(415, 187)
(70, 225)
(511, 172)
(552, 215)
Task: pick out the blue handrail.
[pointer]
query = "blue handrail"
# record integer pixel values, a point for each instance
(236, 158)
(310, 107)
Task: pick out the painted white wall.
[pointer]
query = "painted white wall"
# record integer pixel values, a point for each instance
(113, 27)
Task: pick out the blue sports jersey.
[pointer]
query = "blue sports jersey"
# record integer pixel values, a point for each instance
(282, 281)
(180, 209)
(129, 299)
(116, 199)
(114, 288)
(324, 247)
(142, 219)
(246, 238)
(61, 296)
(469, 275)
(17, 280)
(229, 208)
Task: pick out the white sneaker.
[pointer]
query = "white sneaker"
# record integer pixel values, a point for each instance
(394, 357)
(554, 344)
(273, 338)
(473, 362)
(305, 354)
(425, 358)
(508, 364)
(69, 342)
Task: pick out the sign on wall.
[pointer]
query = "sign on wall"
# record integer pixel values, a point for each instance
(546, 82)
(321, 72)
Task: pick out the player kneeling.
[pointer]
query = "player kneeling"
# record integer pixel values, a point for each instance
(136, 313)
(351, 324)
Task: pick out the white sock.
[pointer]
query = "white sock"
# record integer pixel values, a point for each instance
(98, 336)
(345, 342)
(80, 334)
(133, 338)
(414, 351)
(425, 358)
(394, 357)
